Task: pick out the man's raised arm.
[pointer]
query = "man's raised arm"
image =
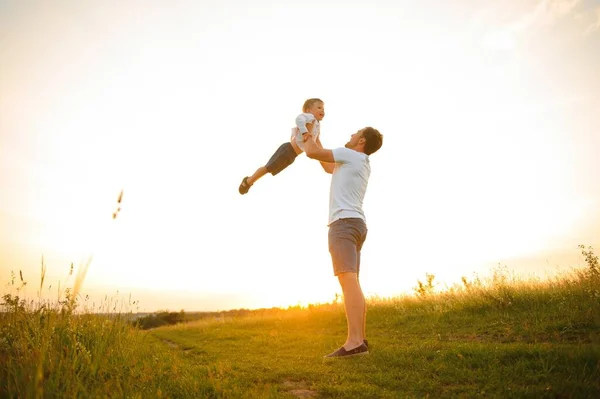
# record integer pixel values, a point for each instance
(316, 152)
(327, 166)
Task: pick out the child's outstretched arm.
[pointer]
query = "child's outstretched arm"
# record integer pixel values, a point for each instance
(302, 120)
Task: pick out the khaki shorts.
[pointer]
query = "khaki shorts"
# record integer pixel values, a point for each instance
(346, 238)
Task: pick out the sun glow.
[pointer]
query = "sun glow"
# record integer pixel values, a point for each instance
(488, 123)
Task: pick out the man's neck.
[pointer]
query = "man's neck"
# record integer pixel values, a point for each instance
(360, 149)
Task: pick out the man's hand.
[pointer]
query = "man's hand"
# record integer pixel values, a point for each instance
(309, 127)
(313, 151)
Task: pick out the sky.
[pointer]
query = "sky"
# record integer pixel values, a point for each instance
(490, 112)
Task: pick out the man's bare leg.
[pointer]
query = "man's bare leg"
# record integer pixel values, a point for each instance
(354, 303)
(364, 331)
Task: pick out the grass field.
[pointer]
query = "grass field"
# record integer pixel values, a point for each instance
(502, 337)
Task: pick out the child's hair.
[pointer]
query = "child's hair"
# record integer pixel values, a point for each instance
(309, 103)
(373, 139)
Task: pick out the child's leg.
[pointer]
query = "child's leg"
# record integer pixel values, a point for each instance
(281, 159)
(260, 172)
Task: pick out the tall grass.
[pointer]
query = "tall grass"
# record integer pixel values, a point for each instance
(62, 348)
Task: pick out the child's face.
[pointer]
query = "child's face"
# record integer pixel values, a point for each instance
(318, 110)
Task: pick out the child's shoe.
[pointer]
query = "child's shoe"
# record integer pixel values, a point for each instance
(244, 186)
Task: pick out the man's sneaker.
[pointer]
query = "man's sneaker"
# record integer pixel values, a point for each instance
(343, 353)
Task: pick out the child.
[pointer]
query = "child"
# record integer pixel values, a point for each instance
(313, 112)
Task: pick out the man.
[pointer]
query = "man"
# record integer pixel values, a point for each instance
(350, 171)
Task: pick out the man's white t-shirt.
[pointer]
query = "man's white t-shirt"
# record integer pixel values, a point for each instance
(348, 184)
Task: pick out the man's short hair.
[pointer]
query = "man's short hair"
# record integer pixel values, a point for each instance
(373, 140)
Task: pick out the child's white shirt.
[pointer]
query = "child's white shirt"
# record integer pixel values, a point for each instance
(301, 121)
